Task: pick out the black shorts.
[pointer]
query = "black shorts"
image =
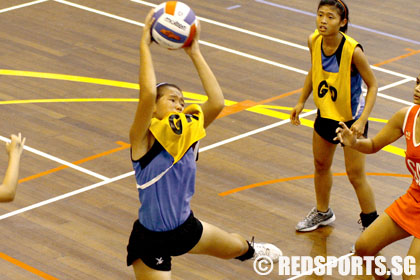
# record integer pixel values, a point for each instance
(326, 128)
(156, 248)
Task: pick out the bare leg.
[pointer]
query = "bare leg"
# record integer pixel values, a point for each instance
(355, 167)
(143, 272)
(382, 232)
(219, 243)
(323, 152)
(415, 252)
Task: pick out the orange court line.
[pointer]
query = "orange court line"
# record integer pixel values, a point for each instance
(235, 108)
(123, 146)
(27, 267)
(412, 52)
(299, 178)
(241, 106)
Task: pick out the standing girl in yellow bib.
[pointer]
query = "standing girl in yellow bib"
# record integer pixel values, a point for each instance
(338, 68)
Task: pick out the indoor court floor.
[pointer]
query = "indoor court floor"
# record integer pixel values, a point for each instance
(69, 84)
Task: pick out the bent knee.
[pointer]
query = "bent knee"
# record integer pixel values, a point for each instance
(363, 248)
(235, 247)
(239, 246)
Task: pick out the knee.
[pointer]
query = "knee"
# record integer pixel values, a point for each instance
(239, 247)
(363, 249)
(322, 166)
(356, 176)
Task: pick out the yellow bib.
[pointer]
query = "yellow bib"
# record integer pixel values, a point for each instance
(332, 91)
(176, 132)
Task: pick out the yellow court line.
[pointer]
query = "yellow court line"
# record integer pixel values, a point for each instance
(68, 78)
(260, 109)
(390, 148)
(276, 107)
(378, 120)
(394, 150)
(30, 101)
(80, 79)
(200, 97)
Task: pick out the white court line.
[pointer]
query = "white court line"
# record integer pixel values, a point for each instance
(395, 98)
(60, 197)
(202, 150)
(63, 162)
(117, 178)
(114, 179)
(22, 6)
(398, 100)
(231, 27)
(263, 60)
(99, 12)
(392, 73)
(318, 267)
(252, 132)
(274, 40)
(202, 42)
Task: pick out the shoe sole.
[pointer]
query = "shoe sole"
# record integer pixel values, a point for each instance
(324, 223)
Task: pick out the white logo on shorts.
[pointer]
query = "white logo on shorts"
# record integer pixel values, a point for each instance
(159, 261)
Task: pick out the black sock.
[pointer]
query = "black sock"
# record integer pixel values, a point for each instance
(367, 219)
(323, 212)
(249, 254)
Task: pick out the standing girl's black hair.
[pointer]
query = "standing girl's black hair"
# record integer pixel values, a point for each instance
(342, 10)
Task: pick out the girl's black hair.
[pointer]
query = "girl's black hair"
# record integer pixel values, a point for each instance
(162, 85)
(342, 9)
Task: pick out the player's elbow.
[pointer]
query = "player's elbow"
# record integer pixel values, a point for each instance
(218, 103)
(372, 86)
(219, 106)
(7, 196)
(374, 148)
(214, 107)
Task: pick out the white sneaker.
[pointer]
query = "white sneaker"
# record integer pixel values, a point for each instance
(267, 250)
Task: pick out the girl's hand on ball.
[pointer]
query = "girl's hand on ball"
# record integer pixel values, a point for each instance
(148, 22)
(194, 47)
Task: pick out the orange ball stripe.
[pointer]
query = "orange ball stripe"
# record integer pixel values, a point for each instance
(170, 7)
(191, 36)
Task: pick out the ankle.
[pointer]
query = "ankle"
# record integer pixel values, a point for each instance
(367, 219)
(248, 254)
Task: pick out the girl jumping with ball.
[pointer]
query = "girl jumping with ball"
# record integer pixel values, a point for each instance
(164, 138)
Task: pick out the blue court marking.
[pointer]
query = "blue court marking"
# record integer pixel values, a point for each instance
(352, 25)
(233, 7)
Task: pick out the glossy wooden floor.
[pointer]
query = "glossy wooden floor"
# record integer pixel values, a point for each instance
(77, 199)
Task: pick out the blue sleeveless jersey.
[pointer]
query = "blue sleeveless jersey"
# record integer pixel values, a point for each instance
(165, 175)
(165, 205)
(331, 64)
